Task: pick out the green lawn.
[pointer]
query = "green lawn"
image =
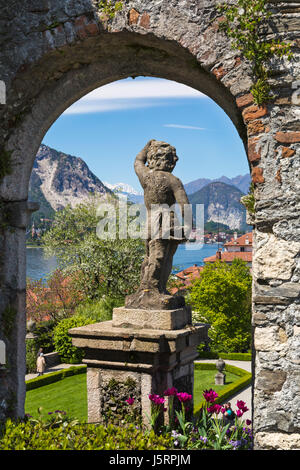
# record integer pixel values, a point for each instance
(205, 379)
(70, 394)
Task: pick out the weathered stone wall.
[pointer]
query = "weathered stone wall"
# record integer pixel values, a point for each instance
(55, 51)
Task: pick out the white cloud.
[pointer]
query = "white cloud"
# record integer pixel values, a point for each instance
(182, 126)
(131, 94)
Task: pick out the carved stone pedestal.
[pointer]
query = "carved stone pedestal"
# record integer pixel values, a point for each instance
(136, 354)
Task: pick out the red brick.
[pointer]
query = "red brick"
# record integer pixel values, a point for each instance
(286, 152)
(244, 100)
(253, 154)
(84, 28)
(278, 176)
(256, 127)
(92, 29)
(145, 21)
(133, 16)
(254, 112)
(288, 137)
(257, 175)
(219, 72)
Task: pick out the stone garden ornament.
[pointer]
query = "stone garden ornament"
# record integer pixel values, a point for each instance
(163, 193)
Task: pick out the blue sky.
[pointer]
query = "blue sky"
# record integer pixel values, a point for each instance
(108, 127)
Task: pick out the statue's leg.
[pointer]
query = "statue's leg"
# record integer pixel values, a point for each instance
(168, 264)
(156, 259)
(144, 268)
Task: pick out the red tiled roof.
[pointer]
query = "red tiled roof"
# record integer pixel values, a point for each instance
(192, 271)
(240, 241)
(229, 256)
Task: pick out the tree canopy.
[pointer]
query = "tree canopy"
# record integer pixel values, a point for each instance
(222, 298)
(101, 266)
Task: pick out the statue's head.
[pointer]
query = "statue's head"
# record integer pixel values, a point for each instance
(161, 156)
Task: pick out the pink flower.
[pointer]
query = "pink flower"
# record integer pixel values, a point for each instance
(183, 397)
(156, 399)
(215, 408)
(239, 413)
(210, 395)
(130, 401)
(223, 410)
(240, 404)
(170, 392)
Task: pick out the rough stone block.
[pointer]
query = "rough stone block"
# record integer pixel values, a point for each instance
(152, 319)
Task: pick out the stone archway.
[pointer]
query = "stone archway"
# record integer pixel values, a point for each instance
(56, 52)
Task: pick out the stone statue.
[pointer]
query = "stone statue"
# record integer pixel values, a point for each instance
(162, 190)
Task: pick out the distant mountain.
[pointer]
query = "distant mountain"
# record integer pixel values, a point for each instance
(221, 204)
(242, 182)
(122, 188)
(58, 179)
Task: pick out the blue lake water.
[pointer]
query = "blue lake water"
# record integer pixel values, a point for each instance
(39, 267)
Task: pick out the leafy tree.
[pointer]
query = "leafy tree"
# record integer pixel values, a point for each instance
(100, 266)
(53, 300)
(222, 298)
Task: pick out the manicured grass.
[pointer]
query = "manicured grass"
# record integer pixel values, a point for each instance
(205, 379)
(69, 394)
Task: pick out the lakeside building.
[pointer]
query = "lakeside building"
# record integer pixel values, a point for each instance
(237, 247)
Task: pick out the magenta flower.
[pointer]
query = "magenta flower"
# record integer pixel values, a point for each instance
(242, 406)
(239, 413)
(215, 408)
(184, 397)
(210, 395)
(248, 422)
(156, 399)
(171, 392)
(130, 401)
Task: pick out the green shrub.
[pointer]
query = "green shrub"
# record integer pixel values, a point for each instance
(63, 341)
(53, 377)
(63, 434)
(31, 356)
(44, 335)
(223, 355)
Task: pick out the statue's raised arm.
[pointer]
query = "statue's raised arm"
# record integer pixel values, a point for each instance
(140, 162)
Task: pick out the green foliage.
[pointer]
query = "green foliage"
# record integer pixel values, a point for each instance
(109, 7)
(99, 310)
(222, 298)
(63, 341)
(44, 335)
(229, 356)
(100, 267)
(249, 200)
(31, 354)
(63, 434)
(243, 24)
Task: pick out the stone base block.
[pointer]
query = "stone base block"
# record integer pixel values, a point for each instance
(135, 362)
(152, 319)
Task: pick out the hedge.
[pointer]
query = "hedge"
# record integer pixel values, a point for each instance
(53, 377)
(228, 356)
(229, 390)
(71, 436)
